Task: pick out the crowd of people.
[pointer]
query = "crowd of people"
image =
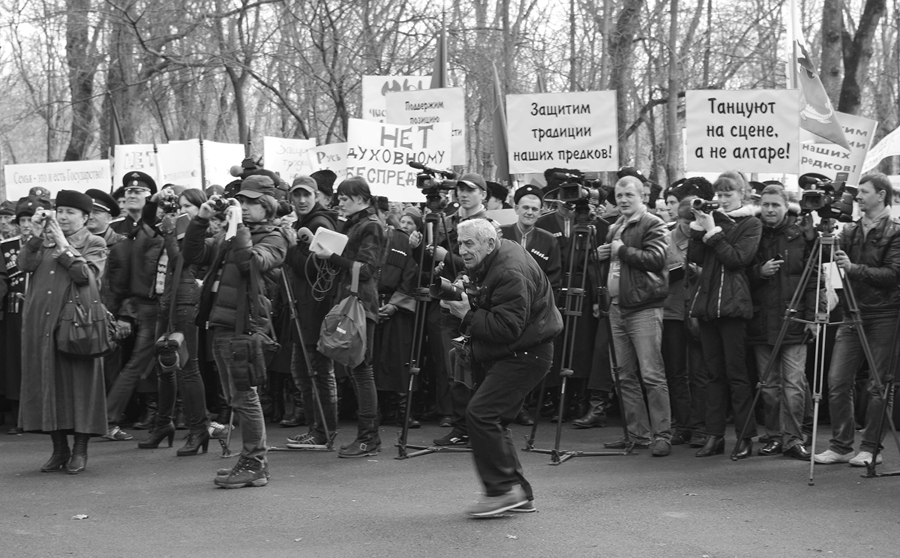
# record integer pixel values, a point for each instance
(688, 293)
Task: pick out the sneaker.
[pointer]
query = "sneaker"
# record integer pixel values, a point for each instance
(527, 507)
(222, 474)
(863, 458)
(828, 457)
(661, 448)
(246, 472)
(446, 422)
(116, 434)
(304, 441)
(490, 506)
(452, 439)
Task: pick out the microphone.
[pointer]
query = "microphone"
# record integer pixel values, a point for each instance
(446, 174)
(236, 171)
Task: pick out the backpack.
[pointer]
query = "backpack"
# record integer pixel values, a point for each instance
(343, 334)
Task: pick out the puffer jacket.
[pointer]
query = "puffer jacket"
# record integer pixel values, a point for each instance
(875, 276)
(229, 267)
(133, 263)
(513, 309)
(644, 277)
(365, 243)
(724, 254)
(772, 295)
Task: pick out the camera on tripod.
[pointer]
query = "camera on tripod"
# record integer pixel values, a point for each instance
(433, 183)
(706, 206)
(829, 199)
(573, 188)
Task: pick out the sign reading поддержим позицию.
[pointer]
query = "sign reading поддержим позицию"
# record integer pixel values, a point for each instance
(562, 130)
(381, 154)
(751, 131)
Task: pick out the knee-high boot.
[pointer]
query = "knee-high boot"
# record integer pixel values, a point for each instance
(78, 462)
(61, 453)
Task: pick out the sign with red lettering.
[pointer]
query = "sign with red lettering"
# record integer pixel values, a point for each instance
(374, 89)
(381, 154)
(447, 104)
(751, 131)
(565, 130)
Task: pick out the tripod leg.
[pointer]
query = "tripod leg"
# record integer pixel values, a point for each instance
(404, 432)
(559, 422)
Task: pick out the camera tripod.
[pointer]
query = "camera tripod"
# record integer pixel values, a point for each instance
(815, 262)
(423, 298)
(583, 249)
(311, 372)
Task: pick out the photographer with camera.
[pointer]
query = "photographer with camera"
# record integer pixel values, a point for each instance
(249, 243)
(512, 322)
(869, 257)
(725, 237)
(784, 248)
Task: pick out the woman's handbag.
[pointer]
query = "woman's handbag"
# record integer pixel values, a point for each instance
(85, 327)
(171, 350)
(342, 337)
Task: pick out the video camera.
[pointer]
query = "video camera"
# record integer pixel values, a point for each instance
(829, 199)
(433, 182)
(572, 188)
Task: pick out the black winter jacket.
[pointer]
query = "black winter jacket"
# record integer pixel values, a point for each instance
(133, 264)
(365, 243)
(304, 274)
(514, 309)
(875, 276)
(644, 277)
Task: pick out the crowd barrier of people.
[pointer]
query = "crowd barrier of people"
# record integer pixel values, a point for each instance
(689, 292)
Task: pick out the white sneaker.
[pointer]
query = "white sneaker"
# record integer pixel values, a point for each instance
(828, 457)
(864, 457)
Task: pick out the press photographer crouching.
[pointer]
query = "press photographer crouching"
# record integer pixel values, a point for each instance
(511, 323)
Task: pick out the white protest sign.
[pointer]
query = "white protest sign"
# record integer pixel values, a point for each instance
(567, 130)
(447, 104)
(287, 156)
(889, 146)
(218, 158)
(374, 88)
(65, 175)
(380, 153)
(829, 159)
(332, 157)
(134, 157)
(179, 163)
(752, 131)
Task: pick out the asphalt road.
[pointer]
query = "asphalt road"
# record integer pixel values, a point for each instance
(150, 503)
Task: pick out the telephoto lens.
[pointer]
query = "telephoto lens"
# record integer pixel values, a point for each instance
(445, 290)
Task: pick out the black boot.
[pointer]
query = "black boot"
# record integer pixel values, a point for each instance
(298, 415)
(596, 413)
(196, 441)
(78, 461)
(164, 428)
(367, 441)
(60, 455)
(148, 416)
(401, 412)
(179, 420)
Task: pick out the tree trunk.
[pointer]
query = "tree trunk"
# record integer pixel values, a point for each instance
(81, 77)
(621, 49)
(857, 54)
(832, 28)
(673, 133)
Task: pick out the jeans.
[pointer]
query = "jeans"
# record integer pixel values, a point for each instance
(325, 386)
(188, 380)
(138, 365)
(674, 353)
(244, 403)
(785, 391)
(363, 378)
(637, 337)
(444, 404)
(723, 348)
(493, 407)
(846, 359)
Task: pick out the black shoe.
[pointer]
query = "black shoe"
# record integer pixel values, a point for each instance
(715, 445)
(681, 438)
(524, 418)
(452, 439)
(623, 444)
(744, 449)
(697, 441)
(797, 451)
(774, 447)
(195, 443)
(295, 419)
(61, 453)
(446, 422)
(157, 435)
(661, 448)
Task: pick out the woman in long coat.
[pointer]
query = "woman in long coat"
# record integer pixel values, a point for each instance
(60, 394)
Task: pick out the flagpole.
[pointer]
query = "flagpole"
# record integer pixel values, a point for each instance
(159, 174)
(202, 164)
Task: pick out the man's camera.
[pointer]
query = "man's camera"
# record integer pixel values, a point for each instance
(445, 290)
(830, 200)
(168, 201)
(219, 203)
(706, 206)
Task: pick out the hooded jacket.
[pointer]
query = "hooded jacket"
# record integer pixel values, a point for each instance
(724, 254)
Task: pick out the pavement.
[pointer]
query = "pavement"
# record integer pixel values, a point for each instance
(151, 503)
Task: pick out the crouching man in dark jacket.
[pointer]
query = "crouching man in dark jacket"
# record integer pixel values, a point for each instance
(511, 323)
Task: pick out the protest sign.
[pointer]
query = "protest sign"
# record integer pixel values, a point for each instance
(567, 130)
(134, 157)
(218, 158)
(287, 156)
(752, 131)
(889, 146)
(447, 104)
(179, 163)
(374, 88)
(829, 159)
(332, 157)
(380, 153)
(65, 175)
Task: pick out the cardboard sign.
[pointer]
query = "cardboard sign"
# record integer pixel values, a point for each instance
(218, 158)
(751, 131)
(829, 159)
(566, 130)
(134, 157)
(65, 175)
(179, 163)
(430, 106)
(287, 156)
(380, 153)
(374, 89)
(332, 157)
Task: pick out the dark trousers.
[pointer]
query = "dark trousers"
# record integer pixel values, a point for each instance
(674, 353)
(140, 363)
(493, 407)
(435, 348)
(723, 348)
(460, 394)
(188, 380)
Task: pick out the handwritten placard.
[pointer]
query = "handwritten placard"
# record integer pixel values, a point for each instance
(829, 159)
(447, 104)
(287, 156)
(374, 89)
(332, 157)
